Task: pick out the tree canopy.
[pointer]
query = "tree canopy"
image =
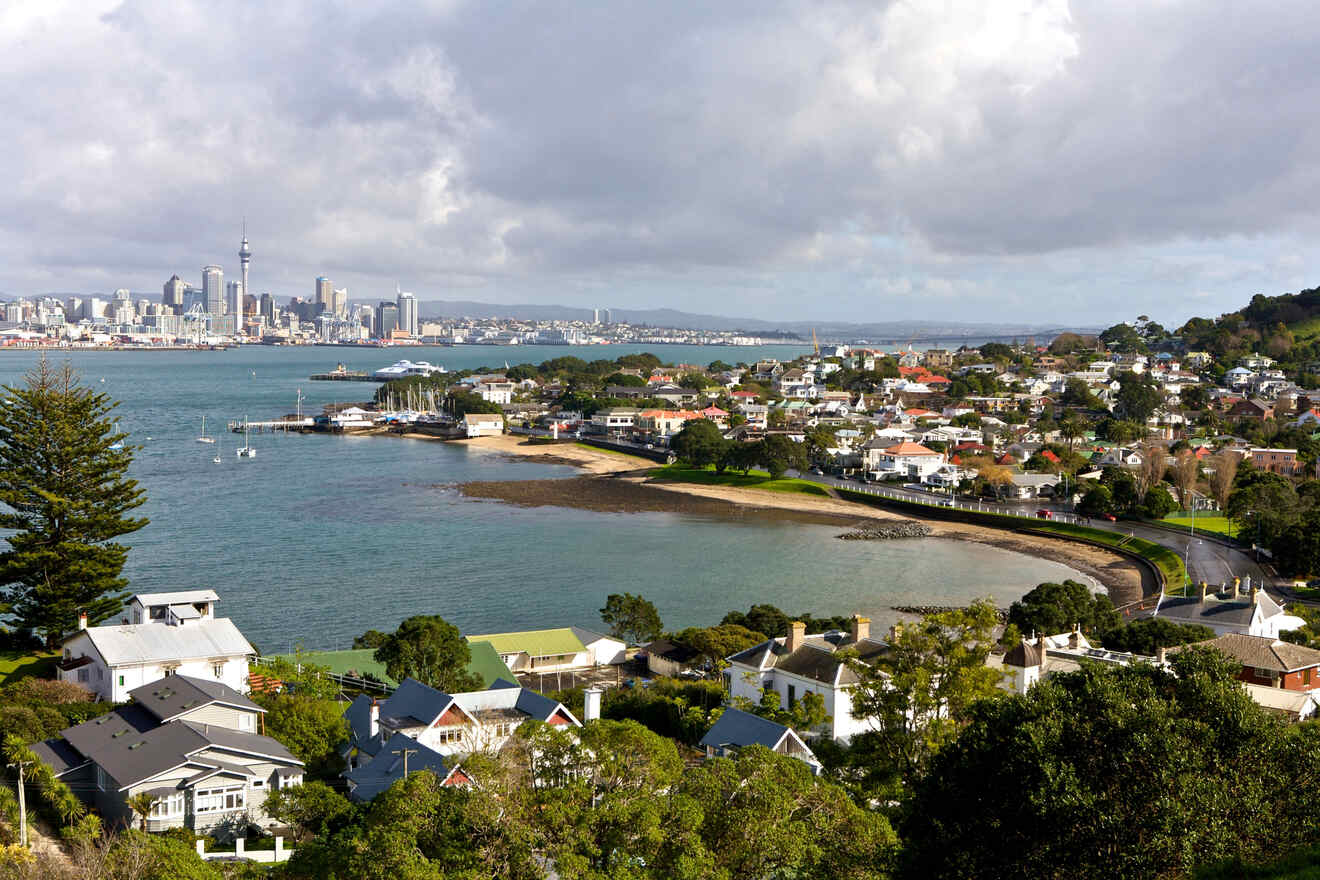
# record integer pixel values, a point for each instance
(431, 650)
(631, 618)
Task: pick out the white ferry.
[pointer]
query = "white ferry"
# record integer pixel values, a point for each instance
(404, 369)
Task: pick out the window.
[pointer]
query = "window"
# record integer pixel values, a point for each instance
(792, 696)
(100, 674)
(167, 806)
(245, 721)
(258, 783)
(121, 681)
(218, 669)
(449, 736)
(100, 778)
(219, 800)
(82, 675)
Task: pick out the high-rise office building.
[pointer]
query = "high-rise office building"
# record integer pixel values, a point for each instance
(387, 320)
(324, 295)
(406, 304)
(234, 300)
(268, 308)
(244, 260)
(605, 316)
(172, 295)
(339, 302)
(213, 289)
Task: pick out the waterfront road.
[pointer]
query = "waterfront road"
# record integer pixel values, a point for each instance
(1207, 558)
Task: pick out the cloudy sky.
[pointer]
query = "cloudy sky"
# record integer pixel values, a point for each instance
(1042, 161)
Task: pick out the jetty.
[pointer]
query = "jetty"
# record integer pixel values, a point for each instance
(342, 373)
(238, 426)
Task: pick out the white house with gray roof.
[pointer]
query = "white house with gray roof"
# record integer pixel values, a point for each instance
(170, 634)
(192, 743)
(798, 664)
(736, 729)
(1253, 614)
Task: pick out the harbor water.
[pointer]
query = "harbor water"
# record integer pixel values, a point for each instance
(318, 538)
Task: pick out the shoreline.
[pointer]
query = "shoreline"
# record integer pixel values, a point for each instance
(616, 483)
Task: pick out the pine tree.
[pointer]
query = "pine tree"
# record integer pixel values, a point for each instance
(65, 494)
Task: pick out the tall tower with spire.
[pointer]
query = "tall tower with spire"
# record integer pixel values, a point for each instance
(245, 259)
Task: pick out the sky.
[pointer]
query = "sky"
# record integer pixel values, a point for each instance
(1030, 161)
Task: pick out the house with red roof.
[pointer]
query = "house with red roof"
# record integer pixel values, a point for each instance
(884, 458)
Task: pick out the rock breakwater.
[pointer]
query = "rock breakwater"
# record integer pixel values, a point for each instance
(883, 531)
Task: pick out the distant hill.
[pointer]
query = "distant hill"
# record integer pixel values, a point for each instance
(1285, 327)
(834, 330)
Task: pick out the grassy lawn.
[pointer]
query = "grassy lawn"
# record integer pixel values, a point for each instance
(1306, 329)
(14, 665)
(617, 452)
(680, 473)
(1220, 525)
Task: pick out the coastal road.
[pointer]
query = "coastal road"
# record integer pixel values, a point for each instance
(1207, 559)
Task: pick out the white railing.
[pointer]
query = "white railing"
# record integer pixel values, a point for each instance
(240, 851)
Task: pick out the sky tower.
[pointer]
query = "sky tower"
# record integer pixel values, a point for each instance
(245, 259)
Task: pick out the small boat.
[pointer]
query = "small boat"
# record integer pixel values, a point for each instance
(217, 454)
(246, 450)
(116, 447)
(203, 438)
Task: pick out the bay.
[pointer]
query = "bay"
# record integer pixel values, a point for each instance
(319, 537)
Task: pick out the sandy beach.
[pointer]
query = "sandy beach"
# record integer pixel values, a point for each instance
(618, 484)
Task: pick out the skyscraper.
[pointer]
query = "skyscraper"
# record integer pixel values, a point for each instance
(595, 316)
(325, 295)
(387, 320)
(268, 308)
(213, 288)
(605, 315)
(407, 306)
(234, 300)
(244, 259)
(339, 302)
(172, 297)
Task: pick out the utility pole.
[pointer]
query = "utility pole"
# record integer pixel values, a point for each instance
(405, 753)
(22, 805)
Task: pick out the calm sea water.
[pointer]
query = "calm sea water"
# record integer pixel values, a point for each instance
(319, 538)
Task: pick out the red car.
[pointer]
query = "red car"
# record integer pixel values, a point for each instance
(1109, 516)
(1044, 514)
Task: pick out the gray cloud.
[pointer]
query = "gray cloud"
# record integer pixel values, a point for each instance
(845, 159)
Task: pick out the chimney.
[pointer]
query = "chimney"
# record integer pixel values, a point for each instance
(1255, 594)
(375, 717)
(591, 704)
(82, 620)
(1205, 590)
(797, 632)
(1161, 655)
(1237, 583)
(861, 628)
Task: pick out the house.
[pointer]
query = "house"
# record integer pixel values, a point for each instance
(663, 657)
(613, 420)
(1268, 662)
(179, 634)
(191, 742)
(447, 726)
(1278, 461)
(736, 729)
(1255, 614)
(907, 459)
(1251, 409)
(799, 664)
(483, 424)
(554, 650)
(387, 766)
(494, 392)
(664, 422)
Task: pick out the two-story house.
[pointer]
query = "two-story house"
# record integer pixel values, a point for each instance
(1254, 614)
(191, 743)
(170, 634)
(798, 664)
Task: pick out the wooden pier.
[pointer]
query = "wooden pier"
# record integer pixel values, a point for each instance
(271, 427)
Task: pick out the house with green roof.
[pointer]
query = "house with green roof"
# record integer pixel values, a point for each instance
(553, 650)
(484, 663)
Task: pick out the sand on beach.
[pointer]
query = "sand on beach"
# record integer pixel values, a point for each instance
(620, 484)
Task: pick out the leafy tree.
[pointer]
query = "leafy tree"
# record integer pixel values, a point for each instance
(631, 618)
(624, 379)
(996, 351)
(1158, 503)
(1123, 338)
(312, 809)
(1297, 551)
(1147, 634)
(805, 715)
(1120, 431)
(1122, 486)
(313, 729)
(778, 454)
(65, 494)
(918, 694)
(762, 618)
(1149, 771)
(1223, 468)
(1194, 397)
(1138, 397)
(699, 443)
(431, 650)
(742, 456)
(372, 638)
(140, 804)
(694, 381)
(460, 403)
(714, 643)
(1053, 608)
(1263, 505)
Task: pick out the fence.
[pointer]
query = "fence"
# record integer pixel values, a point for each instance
(352, 682)
(240, 851)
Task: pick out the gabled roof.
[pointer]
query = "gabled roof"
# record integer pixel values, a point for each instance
(738, 728)
(177, 694)
(909, 448)
(815, 659)
(386, 768)
(1238, 612)
(1259, 652)
(588, 636)
(414, 704)
(670, 651)
(535, 643)
(156, 642)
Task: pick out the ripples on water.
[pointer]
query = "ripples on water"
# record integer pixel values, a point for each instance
(319, 538)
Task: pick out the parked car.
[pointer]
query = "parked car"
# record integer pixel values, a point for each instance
(1044, 514)
(1109, 516)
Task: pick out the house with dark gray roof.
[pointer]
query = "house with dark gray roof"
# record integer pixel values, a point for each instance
(736, 729)
(394, 760)
(450, 725)
(798, 664)
(191, 743)
(1252, 614)
(1268, 662)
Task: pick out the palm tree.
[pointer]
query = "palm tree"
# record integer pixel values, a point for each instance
(1071, 429)
(141, 804)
